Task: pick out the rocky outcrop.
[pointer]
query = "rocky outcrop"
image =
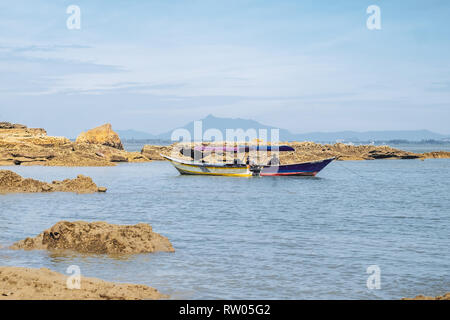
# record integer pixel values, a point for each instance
(153, 152)
(422, 297)
(11, 182)
(99, 238)
(8, 125)
(43, 284)
(310, 151)
(25, 146)
(21, 132)
(103, 135)
(20, 145)
(437, 155)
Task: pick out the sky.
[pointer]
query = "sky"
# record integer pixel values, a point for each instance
(155, 65)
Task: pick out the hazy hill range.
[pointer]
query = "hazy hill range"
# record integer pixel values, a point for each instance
(134, 134)
(410, 135)
(211, 122)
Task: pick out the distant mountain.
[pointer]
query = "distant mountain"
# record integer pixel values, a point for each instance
(134, 135)
(410, 135)
(211, 122)
(222, 124)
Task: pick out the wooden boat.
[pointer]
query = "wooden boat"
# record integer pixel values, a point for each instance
(298, 169)
(198, 167)
(210, 169)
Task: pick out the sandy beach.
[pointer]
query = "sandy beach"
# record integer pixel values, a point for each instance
(19, 283)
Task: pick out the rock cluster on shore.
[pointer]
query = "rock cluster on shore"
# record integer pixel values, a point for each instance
(98, 238)
(11, 182)
(153, 152)
(101, 146)
(43, 284)
(310, 151)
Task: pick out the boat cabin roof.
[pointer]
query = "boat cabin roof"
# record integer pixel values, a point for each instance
(199, 152)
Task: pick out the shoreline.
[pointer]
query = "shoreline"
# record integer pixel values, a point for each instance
(310, 151)
(21, 283)
(80, 237)
(97, 147)
(445, 296)
(101, 147)
(24, 283)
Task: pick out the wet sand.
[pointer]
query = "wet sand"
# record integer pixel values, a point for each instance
(17, 283)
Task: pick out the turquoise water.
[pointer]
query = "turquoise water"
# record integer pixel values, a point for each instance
(235, 238)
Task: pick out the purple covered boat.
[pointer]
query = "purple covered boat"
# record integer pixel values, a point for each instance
(243, 148)
(311, 168)
(297, 169)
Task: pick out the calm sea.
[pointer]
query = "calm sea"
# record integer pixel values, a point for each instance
(264, 238)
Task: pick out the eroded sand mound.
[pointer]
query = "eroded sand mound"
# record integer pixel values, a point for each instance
(11, 182)
(43, 284)
(99, 238)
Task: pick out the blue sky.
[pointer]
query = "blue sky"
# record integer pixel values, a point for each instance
(155, 65)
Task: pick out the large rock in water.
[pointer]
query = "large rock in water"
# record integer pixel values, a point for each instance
(103, 135)
(99, 238)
